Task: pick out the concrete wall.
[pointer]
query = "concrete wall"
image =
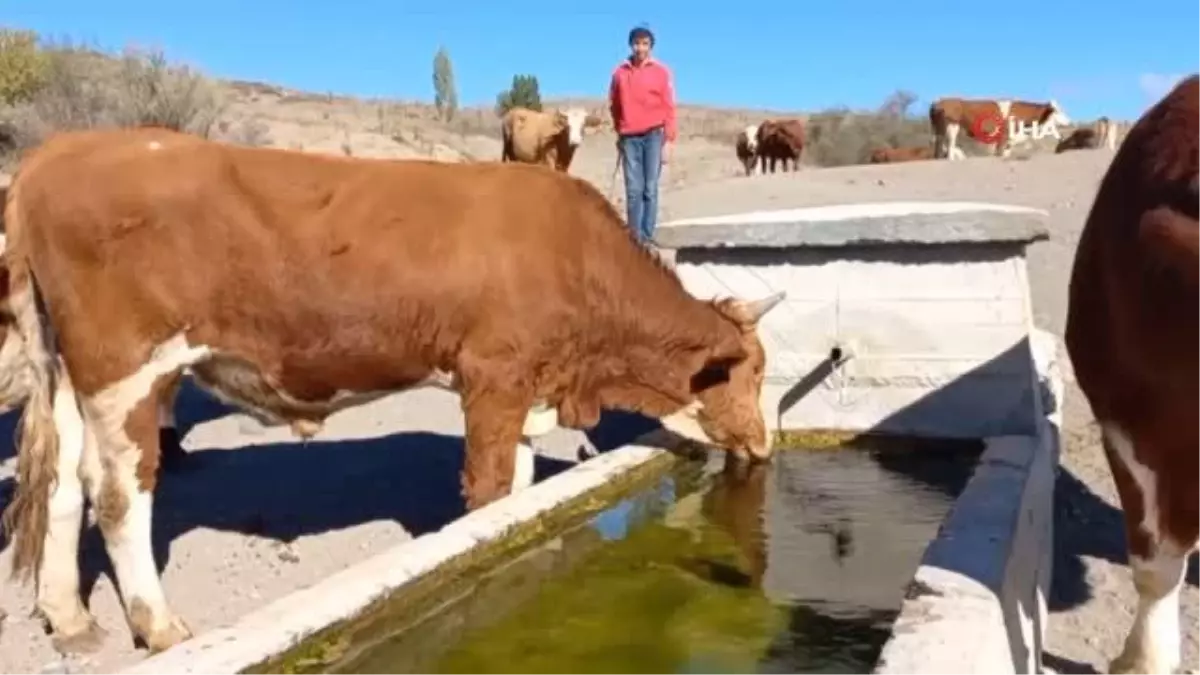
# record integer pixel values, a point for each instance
(929, 307)
(977, 603)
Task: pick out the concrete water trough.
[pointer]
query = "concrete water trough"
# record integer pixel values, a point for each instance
(904, 320)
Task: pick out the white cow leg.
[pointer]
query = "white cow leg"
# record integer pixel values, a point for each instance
(125, 419)
(1153, 644)
(1158, 563)
(952, 150)
(523, 466)
(58, 601)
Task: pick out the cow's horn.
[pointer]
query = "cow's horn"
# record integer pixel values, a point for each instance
(755, 309)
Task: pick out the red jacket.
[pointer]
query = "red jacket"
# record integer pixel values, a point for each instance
(641, 98)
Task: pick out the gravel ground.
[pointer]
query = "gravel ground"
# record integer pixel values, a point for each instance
(235, 544)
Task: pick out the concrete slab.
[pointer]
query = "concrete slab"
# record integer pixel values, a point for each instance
(875, 224)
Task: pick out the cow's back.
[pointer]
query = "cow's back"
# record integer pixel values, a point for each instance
(315, 250)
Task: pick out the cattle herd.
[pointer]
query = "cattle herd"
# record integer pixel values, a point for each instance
(294, 285)
(552, 138)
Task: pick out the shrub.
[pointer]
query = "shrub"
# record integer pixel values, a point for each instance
(85, 89)
(523, 93)
(22, 65)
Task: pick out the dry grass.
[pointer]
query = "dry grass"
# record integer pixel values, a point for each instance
(84, 88)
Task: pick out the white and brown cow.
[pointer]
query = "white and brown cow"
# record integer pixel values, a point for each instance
(540, 137)
(746, 148)
(1133, 326)
(1100, 134)
(948, 116)
(294, 285)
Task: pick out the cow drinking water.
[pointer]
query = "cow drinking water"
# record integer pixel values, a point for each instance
(294, 285)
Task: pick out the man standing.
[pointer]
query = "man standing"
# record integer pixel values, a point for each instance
(642, 102)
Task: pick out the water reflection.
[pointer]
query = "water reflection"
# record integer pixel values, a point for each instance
(794, 566)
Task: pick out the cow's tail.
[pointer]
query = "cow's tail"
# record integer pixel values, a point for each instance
(26, 519)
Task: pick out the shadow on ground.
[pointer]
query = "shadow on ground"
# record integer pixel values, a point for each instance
(282, 491)
(1085, 525)
(1061, 664)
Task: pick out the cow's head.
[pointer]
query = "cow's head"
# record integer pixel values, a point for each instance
(728, 383)
(576, 122)
(752, 137)
(1056, 115)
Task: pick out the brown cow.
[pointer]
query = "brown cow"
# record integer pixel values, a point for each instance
(981, 117)
(747, 148)
(1101, 133)
(1133, 325)
(780, 140)
(549, 138)
(294, 285)
(907, 154)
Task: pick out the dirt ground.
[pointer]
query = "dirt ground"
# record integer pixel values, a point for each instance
(232, 541)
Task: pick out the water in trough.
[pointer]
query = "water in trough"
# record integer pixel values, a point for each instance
(797, 566)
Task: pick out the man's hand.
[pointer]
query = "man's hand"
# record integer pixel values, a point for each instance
(667, 151)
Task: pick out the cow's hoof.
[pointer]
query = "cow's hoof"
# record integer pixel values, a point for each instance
(173, 633)
(89, 640)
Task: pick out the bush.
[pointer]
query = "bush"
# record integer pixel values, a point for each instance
(523, 93)
(84, 89)
(22, 66)
(839, 137)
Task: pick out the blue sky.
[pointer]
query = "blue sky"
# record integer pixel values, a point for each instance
(1097, 57)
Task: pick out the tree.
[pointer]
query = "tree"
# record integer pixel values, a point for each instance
(524, 93)
(897, 103)
(445, 94)
(22, 66)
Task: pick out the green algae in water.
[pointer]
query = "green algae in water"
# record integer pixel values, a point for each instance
(795, 567)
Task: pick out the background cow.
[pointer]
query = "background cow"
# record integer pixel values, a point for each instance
(1100, 134)
(947, 116)
(295, 285)
(780, 140)
(549, 138)
(1133, 326)
(747, 148)
(907, 154)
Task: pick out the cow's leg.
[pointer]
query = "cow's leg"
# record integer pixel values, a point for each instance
(953, 152)
(495, 406)
(58, 600)
(125, 417)
(169, 441)
(1158, 562)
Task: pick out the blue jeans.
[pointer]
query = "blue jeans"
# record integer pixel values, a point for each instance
(641, 162)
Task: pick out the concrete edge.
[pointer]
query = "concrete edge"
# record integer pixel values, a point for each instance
(866, 224)
(284, 623)
(977, 602)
